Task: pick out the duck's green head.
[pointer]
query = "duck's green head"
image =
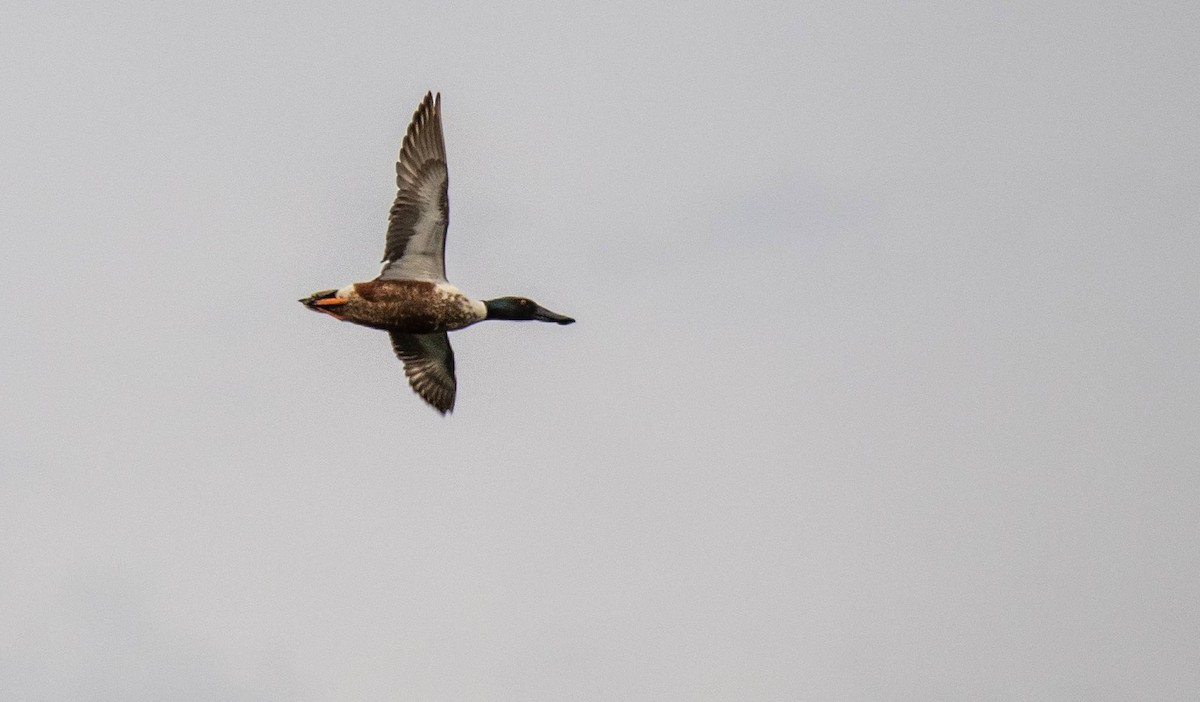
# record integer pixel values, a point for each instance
(522, 308)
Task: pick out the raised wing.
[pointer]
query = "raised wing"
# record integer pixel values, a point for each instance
(429, 365)
(416, 237)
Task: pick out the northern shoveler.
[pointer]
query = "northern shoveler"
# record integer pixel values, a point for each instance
(411, 299)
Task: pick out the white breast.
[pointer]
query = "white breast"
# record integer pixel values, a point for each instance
(457, 297)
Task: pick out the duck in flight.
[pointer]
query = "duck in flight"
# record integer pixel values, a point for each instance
(411, 299)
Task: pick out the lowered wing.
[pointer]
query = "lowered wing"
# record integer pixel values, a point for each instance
(429, 365)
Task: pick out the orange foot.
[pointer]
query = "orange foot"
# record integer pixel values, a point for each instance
(330, 301)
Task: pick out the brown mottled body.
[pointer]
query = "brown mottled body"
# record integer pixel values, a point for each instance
(409, 306)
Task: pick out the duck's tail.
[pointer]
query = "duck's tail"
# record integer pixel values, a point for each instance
(311, 300)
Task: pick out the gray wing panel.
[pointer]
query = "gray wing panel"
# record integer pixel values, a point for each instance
(420, 215)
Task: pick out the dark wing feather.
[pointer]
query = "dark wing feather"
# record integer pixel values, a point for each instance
(416, 237)
(429, 365)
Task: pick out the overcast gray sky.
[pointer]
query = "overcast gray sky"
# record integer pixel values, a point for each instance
(885, 383)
